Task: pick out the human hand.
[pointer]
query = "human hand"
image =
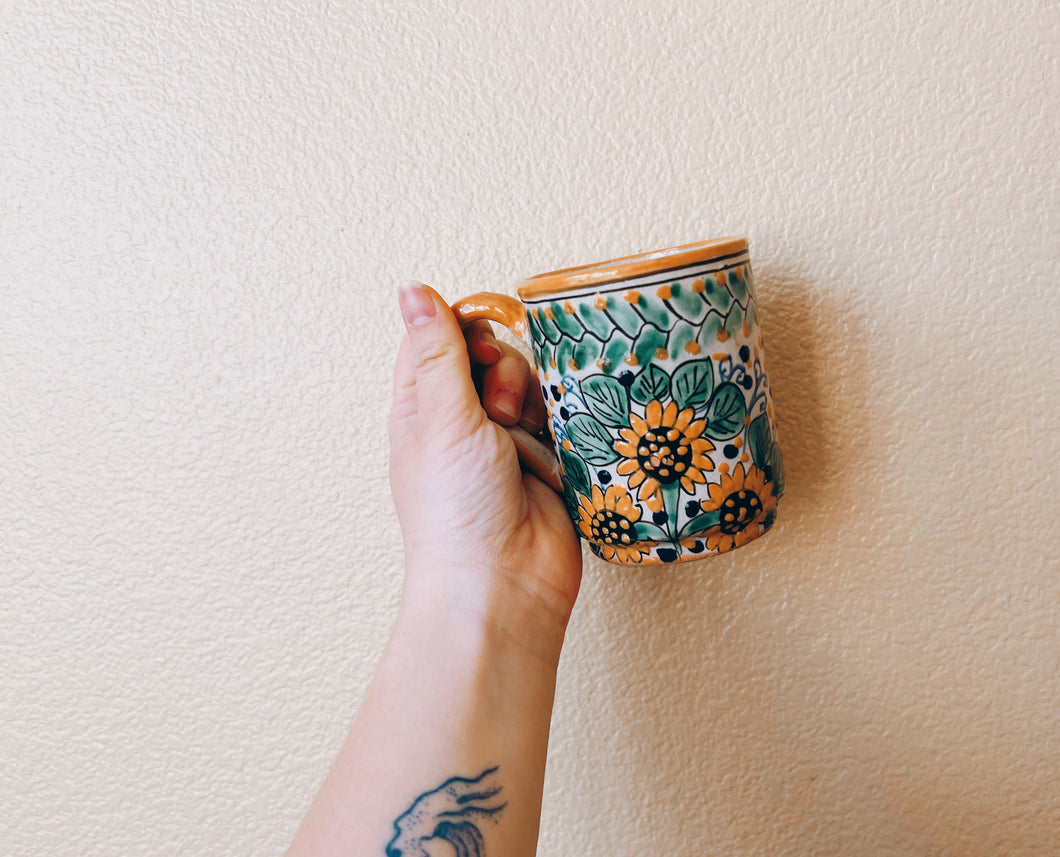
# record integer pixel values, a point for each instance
(479, 534)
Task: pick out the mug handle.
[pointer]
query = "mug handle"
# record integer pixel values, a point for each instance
(503, 308)
(534, 455)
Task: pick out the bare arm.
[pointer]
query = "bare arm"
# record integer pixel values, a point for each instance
(449, 744)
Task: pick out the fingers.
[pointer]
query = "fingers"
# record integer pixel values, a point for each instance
(433, 372)
(482, 345)
(534, 413)
(440, 370)
(510, 394)
(504, 386)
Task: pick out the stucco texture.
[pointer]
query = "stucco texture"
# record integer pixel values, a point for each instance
(206, 209)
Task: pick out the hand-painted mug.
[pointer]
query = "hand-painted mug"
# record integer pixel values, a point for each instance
(653, 372)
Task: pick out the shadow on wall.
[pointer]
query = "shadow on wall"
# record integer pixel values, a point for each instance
(705, 649)
(817, 350)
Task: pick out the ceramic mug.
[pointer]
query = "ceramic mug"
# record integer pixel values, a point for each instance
(659, 407)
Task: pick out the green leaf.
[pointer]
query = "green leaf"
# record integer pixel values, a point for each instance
(544, 354)
(546, 326)
(648, 342)
(760, 441)
(765, 452)
(693, 383)
(776, 471)
(650, 533)
(591, 439)
(575, 473)
(596, 322)
(652, 383)
(622, 314)
(726, 412)
(616, 350)
(564, 353)
(586, 352)
(606, 399)
(566, 323)
(701, 523)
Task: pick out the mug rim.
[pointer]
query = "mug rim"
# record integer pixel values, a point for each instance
(627, 267)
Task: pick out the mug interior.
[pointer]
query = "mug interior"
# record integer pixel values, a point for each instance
(626, 267)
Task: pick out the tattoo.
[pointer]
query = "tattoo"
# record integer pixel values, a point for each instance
(453, 812)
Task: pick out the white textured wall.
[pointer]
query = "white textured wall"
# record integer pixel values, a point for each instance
(205, 209)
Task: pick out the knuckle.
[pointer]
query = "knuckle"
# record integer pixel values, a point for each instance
(433, 357)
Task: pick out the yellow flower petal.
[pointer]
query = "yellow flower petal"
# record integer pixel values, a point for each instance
(651, 494)
(598, 497)
(670, 414)
(652, 416)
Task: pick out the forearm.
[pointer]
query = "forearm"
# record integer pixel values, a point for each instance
(459, 691)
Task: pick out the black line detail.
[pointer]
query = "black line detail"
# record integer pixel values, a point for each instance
(464, 837)
(479, 795)
(453, 812)
(475, 810)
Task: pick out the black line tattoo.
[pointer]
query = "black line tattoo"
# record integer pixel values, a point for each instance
(453, 812)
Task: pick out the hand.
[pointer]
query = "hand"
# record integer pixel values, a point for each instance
(479, 534)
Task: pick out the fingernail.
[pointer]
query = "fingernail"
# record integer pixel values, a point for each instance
(532, 415)
(490, 341)
(505, 402)
(417, 307)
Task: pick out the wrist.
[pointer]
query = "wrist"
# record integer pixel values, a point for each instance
(514, 616)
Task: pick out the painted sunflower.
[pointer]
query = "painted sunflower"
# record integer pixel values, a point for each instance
(608, 520)
(663, 449)
(746, 502)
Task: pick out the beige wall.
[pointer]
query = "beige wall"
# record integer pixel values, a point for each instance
(206, 208)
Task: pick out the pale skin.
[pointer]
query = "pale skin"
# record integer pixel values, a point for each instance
(447, 751)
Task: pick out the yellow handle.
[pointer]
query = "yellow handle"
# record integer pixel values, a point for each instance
(507, 310)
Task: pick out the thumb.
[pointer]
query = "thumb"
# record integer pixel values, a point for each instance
(440, 362)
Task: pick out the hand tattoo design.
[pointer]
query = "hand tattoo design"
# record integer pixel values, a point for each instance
(452, 812)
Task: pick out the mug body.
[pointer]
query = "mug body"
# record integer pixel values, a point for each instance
(653, 371)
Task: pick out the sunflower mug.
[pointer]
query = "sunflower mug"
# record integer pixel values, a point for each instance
(659, 407)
